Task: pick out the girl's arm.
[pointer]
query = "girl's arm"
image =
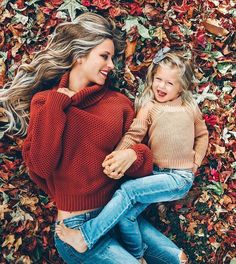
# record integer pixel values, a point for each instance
(130, 152)
(201, 138)
(42, 147)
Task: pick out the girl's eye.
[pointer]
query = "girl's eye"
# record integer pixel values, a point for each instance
(170, 83)
(157, 78)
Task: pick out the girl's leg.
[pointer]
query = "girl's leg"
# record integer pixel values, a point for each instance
(164, 186)
(160, 249)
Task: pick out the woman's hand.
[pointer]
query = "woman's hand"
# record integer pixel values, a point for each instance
(118, 162)
(66, 91)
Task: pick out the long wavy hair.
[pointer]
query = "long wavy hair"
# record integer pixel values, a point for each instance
(186, 78)
(70, 41)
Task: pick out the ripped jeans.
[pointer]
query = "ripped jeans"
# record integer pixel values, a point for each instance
(130, 200)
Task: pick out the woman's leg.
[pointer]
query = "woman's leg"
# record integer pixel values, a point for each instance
(164, 186)
(160, 249)
(106, 251)
(130, 233)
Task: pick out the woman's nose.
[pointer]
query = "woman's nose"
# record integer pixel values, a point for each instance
(111, 64)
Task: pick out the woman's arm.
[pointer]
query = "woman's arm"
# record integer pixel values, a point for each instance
(42, 146)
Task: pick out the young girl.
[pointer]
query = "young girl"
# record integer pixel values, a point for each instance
(178, 138)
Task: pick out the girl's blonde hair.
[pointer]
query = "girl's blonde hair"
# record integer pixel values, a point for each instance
(70, 41)
(186, 75)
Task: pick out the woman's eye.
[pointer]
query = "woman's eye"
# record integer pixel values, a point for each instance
(105, 57)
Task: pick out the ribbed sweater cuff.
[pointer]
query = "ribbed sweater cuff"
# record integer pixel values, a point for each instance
(198, 159)
(58, 100)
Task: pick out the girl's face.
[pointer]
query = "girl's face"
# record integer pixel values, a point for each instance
(166, 86)
(94, 68)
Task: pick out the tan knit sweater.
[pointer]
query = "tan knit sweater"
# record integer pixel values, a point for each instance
(178, 135)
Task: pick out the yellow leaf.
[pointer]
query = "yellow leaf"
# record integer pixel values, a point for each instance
(18, 243)
(9, 240)
(219, 149)
(3, 209)
(191, 227)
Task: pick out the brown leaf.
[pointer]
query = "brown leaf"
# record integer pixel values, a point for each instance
(214, 27)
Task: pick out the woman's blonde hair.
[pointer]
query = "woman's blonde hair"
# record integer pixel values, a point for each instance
(70, 41)
(186, 75)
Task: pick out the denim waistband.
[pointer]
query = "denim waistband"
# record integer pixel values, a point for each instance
(156, 168)
(83, 217)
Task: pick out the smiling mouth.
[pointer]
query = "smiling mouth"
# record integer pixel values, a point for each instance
(104, 73)
(161, 93)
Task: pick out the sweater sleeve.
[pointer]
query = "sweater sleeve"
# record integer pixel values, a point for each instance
(201, 137)
(42, 146)
(134, 135)
(143, 165)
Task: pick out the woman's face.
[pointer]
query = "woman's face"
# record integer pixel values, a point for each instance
(94, 68)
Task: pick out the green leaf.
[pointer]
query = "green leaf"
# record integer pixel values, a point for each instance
(134, 21)
(19, 18)
(205, 95)
(216, 187)
(217, 54)
(224, 67)
(71, 6)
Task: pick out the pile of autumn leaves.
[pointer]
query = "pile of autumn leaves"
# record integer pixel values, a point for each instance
(204, 222)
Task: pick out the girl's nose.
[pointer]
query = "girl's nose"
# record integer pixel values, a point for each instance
(162, 84)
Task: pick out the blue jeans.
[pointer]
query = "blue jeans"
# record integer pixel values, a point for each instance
(108, 250)
(135, 195)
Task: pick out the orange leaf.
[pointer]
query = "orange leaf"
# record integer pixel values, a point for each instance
(130, 49)
(2, 39)
(2, 72)
(214, 27)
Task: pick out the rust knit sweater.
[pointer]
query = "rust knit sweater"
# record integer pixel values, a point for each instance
(68, 139)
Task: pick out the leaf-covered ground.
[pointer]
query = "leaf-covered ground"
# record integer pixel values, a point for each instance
(204, 222)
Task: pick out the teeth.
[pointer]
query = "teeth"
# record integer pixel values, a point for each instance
(104, 72)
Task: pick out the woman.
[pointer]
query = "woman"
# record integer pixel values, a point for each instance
(75, 121)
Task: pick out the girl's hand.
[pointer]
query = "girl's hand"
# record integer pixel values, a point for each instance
(66, 91)
(118, 162)
(195, 167)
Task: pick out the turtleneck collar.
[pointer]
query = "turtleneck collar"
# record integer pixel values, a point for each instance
(86, 96)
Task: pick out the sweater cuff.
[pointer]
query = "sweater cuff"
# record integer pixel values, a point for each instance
(198, 159)
(58, 100)
(144, 163)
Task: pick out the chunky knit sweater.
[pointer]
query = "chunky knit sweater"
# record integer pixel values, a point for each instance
(68, 139)
(178, 135)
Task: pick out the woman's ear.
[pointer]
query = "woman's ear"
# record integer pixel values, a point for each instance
(79, 60)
